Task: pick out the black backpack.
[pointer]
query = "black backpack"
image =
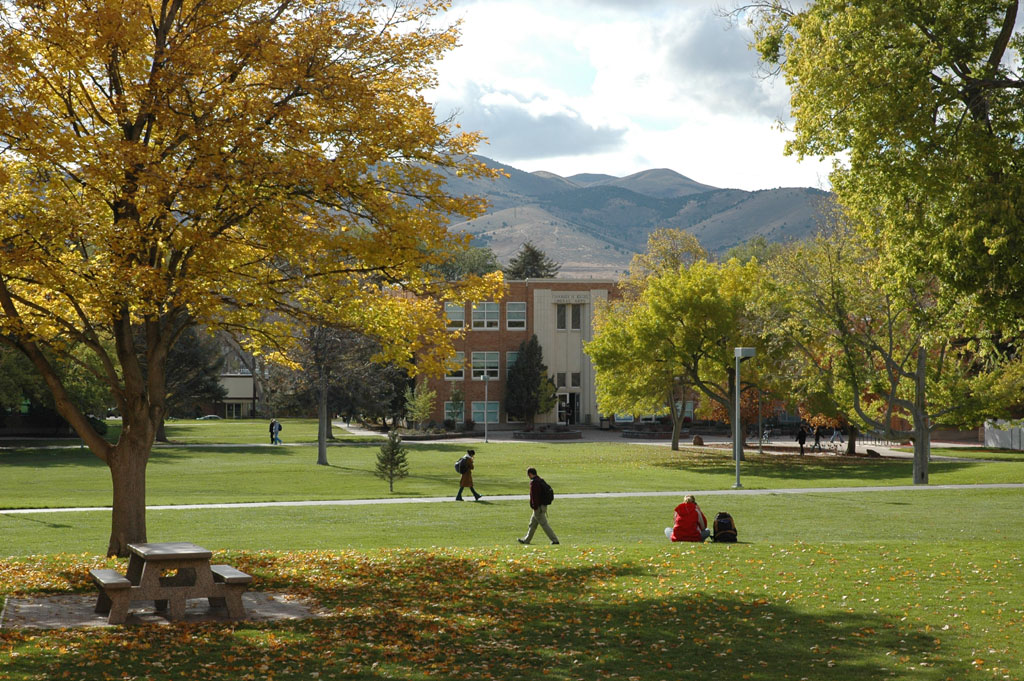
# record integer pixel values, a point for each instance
(724, 527)
(460, 465)
(547, 495)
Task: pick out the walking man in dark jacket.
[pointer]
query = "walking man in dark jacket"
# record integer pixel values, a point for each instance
(540, 497)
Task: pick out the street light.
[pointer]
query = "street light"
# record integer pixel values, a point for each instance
(487, 380)
(740, 354)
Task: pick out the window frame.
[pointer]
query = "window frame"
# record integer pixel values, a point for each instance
(448, 319)
(511, 357)
(461, 417)
(494, 373)
(576, 317)
(490, 408)
(486, 316)
(460, 373)
(508, 315)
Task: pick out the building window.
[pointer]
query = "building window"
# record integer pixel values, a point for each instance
(453, 414)
(574, 379)
(485, 364)
(457, 367)
(510, 359)
(577, 317)
(485, 315)
(515, 315)
(234, 410)
(560, 316)
(456, 315)
(485, 412)
(560, 379)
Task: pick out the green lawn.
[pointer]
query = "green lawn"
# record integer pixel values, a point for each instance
(846, 586)
(989, 453)
(45, 478)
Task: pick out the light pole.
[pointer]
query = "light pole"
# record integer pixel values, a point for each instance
(737, 436)
(487, 380)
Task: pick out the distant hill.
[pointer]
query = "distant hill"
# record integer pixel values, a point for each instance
(593, 224)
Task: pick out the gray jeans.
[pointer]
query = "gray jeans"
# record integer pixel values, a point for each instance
(539, 517)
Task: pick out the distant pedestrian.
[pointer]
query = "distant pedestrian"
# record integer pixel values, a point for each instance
(275, 432)
(801, 437)
(467, 476)
(540, 499)
(817, 439)
(690, 524)
(836, 435)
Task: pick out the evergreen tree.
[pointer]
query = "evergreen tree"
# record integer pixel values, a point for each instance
(529, 390)
(531, 263)
(391, 463)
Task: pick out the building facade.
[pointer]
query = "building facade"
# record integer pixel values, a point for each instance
(560, 312)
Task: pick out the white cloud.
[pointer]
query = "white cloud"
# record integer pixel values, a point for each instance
(618, 87)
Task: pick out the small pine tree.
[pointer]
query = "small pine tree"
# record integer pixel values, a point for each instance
(531, 263)
(391, 463)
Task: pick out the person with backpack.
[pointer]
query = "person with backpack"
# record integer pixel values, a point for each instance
(467, 475)
(691, 523)
(541, 496)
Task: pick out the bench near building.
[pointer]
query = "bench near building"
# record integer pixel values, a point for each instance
(560, 312)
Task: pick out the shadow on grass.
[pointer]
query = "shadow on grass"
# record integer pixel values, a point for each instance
(796, 467)
(29, 519)
(411, 614)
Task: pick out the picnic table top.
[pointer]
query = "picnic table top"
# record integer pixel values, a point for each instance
(178, 550)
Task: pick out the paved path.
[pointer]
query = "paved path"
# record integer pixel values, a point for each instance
(523, 497)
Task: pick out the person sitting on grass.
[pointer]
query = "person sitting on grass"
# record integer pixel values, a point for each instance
(690, 525)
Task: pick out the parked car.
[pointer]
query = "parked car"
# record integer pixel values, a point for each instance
(208, 417)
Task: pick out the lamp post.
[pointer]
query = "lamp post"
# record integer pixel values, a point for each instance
(740, 354)
(487, 380)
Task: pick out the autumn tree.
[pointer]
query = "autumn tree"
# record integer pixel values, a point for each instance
(244, 166)
(667, 249)
(529, 390)
(631, 378)
(681, 331)
(531, 263)
(921, 101)
(891, 354)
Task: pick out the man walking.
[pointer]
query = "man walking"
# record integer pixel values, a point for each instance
(541, 497)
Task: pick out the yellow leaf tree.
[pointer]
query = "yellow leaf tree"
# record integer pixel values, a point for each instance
(244, 165)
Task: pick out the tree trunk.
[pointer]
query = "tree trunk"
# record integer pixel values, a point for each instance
(324, 423)
(677, 419)
(922, 428)
(851, 445)
(161, 432)
(127, 464)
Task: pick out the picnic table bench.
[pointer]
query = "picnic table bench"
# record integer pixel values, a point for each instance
(168, 574)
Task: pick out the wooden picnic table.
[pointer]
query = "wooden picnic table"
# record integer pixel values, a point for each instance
(168, 574)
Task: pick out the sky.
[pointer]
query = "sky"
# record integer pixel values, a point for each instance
(617, 87)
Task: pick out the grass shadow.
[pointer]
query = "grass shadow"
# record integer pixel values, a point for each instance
(411, 614)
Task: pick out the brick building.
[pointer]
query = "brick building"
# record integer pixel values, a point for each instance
(560, 312)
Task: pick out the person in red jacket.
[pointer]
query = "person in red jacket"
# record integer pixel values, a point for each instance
(690, 525)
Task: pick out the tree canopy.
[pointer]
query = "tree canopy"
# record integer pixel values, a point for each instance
(244, 166)
(531, 263)
(920, 100)
(683, 329)
(529, 390)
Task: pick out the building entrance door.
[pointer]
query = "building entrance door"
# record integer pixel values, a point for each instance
(568, 408)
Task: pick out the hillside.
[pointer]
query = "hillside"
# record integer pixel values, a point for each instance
(593, 224)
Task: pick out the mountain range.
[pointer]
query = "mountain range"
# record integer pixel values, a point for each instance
(593, 224)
